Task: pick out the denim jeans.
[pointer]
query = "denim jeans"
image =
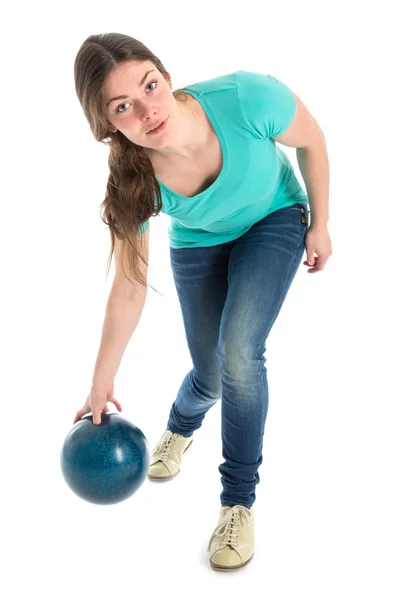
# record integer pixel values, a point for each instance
(230, 295)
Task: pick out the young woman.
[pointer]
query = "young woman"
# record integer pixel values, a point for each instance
(207, 156)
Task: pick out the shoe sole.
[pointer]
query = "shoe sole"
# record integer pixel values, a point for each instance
(233, 568)
(169, 477)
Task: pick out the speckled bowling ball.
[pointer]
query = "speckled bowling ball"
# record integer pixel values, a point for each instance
(105, 463)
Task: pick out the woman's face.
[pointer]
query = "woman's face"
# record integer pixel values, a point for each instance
(148, 101)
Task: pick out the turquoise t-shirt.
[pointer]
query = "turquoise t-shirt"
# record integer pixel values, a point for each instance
(246, 109)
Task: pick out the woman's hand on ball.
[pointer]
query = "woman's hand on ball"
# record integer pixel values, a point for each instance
(96, 403)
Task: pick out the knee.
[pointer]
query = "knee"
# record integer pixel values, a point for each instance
(239, 363)
(209, 386)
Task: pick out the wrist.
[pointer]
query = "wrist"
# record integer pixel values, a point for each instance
(100, 384)
(319, 224)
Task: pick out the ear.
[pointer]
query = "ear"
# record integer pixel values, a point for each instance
(168, 79)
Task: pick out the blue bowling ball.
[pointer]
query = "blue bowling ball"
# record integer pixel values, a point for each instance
(105, 463)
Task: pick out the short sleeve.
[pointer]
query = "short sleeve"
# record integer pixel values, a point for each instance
(144, 227)
(268, 105)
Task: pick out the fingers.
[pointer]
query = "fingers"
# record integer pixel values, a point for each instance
(117, 404)
(81, 412)
(315, 268)
(96, 415)
(96, 418)
(78, 416)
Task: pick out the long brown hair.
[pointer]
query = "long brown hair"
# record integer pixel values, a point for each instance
(133, 193)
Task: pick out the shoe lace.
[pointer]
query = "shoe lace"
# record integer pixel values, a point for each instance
(227, 528)
(166, 445)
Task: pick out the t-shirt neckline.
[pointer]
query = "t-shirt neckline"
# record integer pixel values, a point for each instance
(224, 148)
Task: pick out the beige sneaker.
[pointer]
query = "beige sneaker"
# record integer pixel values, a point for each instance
(231, 544)
(166, 457)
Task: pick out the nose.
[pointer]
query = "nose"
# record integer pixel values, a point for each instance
(145, 113)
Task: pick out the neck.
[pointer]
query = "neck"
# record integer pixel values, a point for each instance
(190, 136)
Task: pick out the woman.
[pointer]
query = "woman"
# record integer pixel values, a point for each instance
(239, 226)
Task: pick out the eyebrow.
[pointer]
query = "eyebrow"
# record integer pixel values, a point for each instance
(124, 96)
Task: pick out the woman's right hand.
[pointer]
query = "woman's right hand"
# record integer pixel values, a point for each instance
(96, 403)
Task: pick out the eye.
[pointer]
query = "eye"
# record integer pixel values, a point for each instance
(118, 107)
(119, 111)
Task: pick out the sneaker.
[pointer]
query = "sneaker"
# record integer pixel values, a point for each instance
(231, 545)
(166, 457)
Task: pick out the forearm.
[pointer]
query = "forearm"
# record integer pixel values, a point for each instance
(121, 319)
(314, 167)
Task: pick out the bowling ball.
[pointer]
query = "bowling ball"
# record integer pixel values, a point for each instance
(105, 463)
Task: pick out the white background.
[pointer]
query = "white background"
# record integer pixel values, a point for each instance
(326, 511)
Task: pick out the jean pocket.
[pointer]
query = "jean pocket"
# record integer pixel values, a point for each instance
(303, 211)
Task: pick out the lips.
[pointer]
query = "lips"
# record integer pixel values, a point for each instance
(155, 126)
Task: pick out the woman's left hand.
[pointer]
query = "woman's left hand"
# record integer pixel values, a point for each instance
(317, 241)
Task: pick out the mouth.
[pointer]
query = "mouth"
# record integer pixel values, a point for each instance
(158, 129)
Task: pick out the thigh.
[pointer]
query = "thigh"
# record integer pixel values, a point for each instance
(262, 266)
(200, 276)
(230, 294)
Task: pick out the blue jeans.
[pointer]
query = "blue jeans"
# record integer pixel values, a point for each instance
(230, 295)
